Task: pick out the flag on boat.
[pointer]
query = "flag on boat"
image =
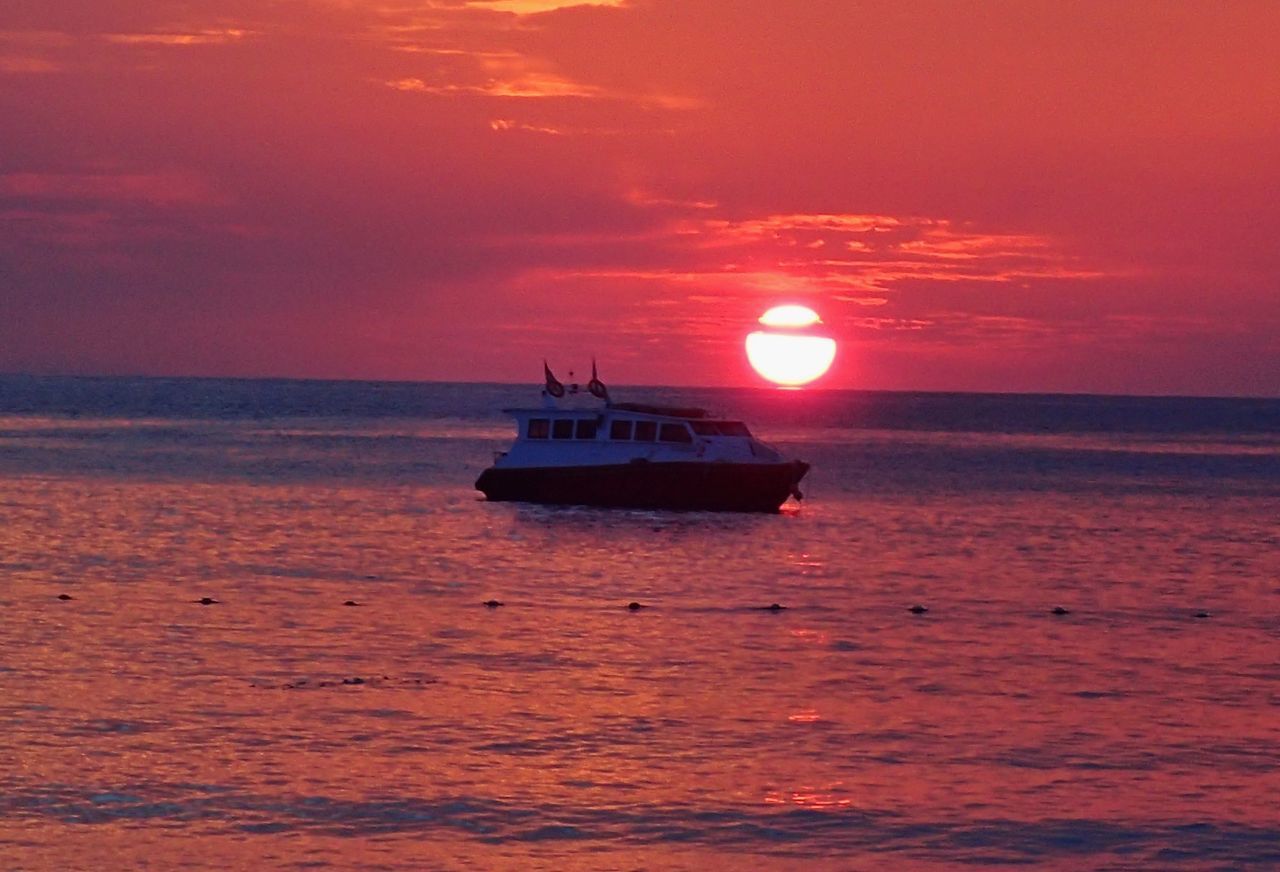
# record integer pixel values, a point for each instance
(554, 388)
(595, 386)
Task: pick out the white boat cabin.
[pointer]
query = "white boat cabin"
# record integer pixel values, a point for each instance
(626, 432)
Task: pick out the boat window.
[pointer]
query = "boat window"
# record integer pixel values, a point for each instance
(620, 430)
(586, 429)
(675, 433)
(539, 428)
(704, 428)
(646, 430)
(562, 428)
(733, 428)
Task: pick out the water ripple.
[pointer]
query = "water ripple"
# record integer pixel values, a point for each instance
(790, 832)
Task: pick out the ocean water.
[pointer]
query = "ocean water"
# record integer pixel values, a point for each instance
(281, 729)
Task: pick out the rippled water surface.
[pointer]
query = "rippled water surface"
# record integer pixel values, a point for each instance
(280, 728)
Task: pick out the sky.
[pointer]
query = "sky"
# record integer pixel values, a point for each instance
(1008, 195)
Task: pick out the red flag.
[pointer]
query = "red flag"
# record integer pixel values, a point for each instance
(596, 386)
(554, 388)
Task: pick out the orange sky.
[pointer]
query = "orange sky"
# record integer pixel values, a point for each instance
(1013, 196)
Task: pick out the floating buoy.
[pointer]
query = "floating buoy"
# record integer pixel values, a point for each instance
(633, 606)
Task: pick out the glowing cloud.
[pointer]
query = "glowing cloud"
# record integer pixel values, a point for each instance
(789, 316)
(203, 37)
(536, 7)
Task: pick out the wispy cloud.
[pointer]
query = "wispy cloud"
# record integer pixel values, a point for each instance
(52, 51)
(409, 83)
(27, 64)
(32, 51)
(537, 7)
(198, 37)
(505, 124)
(526, 85)
(37, 38)
(641, 197)
(879, 252)
(505, 74)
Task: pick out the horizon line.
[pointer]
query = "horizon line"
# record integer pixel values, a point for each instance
(532, 382)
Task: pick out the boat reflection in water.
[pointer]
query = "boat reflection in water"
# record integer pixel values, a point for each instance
(602, 453)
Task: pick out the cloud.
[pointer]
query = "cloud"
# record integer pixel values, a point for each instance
(525, 85)
(409, 84)
(647, 198)
(199, 37)
(507, 75)
(882, 252)
(27, 52)
(507, 124)
(36, 38)
(27, 64)
(538, 7)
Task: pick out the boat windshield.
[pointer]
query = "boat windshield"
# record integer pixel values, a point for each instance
(720, 428)
(674, 433)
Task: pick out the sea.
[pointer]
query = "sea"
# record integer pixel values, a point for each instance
(242, 627)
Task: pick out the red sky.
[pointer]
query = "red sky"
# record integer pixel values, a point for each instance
(1010, 196)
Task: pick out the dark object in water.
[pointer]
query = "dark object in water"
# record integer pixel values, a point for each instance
(356, 680)
(351, 603)
(65, 596)
(633, 606)
(493, 604)
(1202, 614)
(918, 609)
(1059, 610)
(773, 607)
(207, 601)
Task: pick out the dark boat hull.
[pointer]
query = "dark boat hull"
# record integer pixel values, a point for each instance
(721, 487)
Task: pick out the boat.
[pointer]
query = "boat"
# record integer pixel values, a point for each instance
(636, 455)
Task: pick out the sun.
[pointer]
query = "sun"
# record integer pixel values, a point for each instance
(790, 351)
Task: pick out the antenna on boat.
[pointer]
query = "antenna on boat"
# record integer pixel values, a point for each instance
(595, 386)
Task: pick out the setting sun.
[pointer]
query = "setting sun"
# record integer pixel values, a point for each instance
(788, 352)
